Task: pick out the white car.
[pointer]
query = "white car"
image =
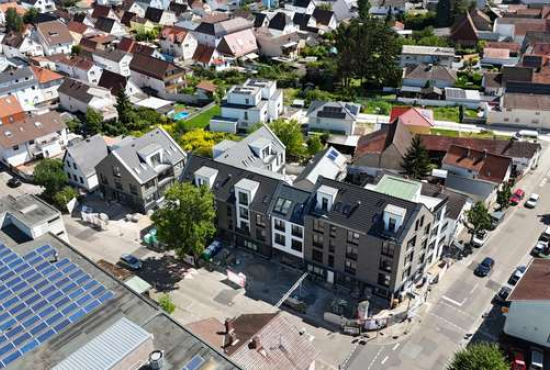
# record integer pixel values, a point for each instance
(540, 248)
(532, 201)
(480, 239)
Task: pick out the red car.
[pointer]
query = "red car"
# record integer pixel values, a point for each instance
(518, 360)
(517, 197)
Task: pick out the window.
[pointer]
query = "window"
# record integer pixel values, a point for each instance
(391, 225)
(331, 245)
(384, 279)
(280, 239)
(422, 221)
(427, 228)
(353, 237)
(280, 225)
(149, 184)
(406, 273)
(116, 171)
(351, 252)
(243, 198)
(385, 264)
(422, 258)
(296, 245)
(260, 234)
(118, 185)
(133, 189)
(260, 221)
(324, 204)
(297, 231)
(245, 116)
(411, 243)
(15, 147)
(318, 240)
(351, 267)
(317, 256)
(409, 258)
(282, 206)
(74, 165)
(244, 227)
(388, 249)
(424, 244)
(243, 213)
(318, 226)
(416, 225)
(330, 260)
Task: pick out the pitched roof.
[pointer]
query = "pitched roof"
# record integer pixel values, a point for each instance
(516, 73)
(31, 128)
(153, 67)
(101, 11)
(77, 27)
(489, 167)
(178, 8)
(512, 46)
(464, 30)
(259, 19)
(412, 116)
(44, 75)
(105, 24)
(535, 283)
(436, 72)
(377, 141)
(174, 34)
(323, 16)
(238, 44)
(536, 102)
(9, 105)
(55, 32)
(112, 81)
(128, 17)
(75, 62)
(208, 86)
(492, 79)
(334, 109)
(329, 163)
(203, 53)
(14, 40)
(496, 53)
(279, 21)
(153, 14)
(88, 153)
(75, 89)
(115, 55)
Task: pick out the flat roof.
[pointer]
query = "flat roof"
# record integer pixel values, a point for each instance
(399, 187)
(28, 209)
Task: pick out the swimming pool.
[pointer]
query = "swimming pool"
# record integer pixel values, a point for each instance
(180, 115)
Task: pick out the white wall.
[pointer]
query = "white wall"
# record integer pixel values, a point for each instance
(520, 323)
(520, 117)
(331, 124)
(288, 238)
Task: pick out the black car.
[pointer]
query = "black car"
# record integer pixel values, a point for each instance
(14, 182)
(502, 295)
(485, 267)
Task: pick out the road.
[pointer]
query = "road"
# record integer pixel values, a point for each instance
(458, 301)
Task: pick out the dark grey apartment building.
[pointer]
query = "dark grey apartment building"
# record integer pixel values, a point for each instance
(347, 235)
(137, 171)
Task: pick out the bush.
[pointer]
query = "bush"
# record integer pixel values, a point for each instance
(483, 356)
(165, 302)
(64, 196)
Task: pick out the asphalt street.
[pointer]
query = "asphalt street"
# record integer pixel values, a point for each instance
(458, 301)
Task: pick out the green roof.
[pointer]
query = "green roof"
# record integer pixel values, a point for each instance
(398, 187)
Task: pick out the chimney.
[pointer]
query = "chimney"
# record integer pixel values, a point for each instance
(229, 326)
(255, 343)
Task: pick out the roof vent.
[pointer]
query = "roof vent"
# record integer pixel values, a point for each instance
(38, 124)
(156, 360)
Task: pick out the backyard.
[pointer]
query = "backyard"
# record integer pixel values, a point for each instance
(485, 134)
(198, 121)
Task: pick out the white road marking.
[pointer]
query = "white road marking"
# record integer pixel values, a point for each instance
(384, 360)
(396, 346)
(448, 322)
(543, 182)
(459, 304)
(459, 311)
(474, 288)
(375, 358)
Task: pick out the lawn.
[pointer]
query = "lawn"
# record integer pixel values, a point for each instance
(486, 134)
(451, 113)
(199, 121)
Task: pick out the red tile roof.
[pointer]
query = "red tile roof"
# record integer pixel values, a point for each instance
(207, 86)
(44, 75)
(488, 166)
(412, 116)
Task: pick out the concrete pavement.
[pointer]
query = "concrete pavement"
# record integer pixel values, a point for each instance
(457, 303)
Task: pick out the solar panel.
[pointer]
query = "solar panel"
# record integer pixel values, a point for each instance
(195, 363)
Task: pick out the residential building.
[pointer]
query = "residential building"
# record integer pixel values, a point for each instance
(416, 120)
(11, 111)
(79, 68)
(115, 83)
(424, 75)
(517, 28)
(261, 152)
(110, 26)
(41, 136)
(382, 8)
(328, 163)
(48, 84)
(76, 96)
(323, 19)
(21, 83)
(212, 29)
(414, 55)
(139, 171)
(464, 32)
(114, 60)
(27, 217)
(160, 17)
(162, 77)
(522, 109)
(55, 37)
(43, 6)
(527, 318)
(241, 44)
(20, 45)
(255, 101)
(178, 42)
(336, 117)
(285, 46)
(259, 341)
(81, 159)
(301, 6)
(281, 23)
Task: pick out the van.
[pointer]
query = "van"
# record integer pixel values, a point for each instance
(537, 359)
(527, 134)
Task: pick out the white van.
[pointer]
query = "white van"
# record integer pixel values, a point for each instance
(527, 134)
(537, 359)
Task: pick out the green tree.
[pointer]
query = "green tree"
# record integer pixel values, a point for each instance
(49, 173)
(482, 356)
(76, 49)
(290, 133)
(478, 219)
(363, 8)
(30, 15)
(64, 196)
(94, 121)
(416, 162)
(186, 221)
(504, 195)
(14, 22)
(165, 302)
(123, 107)
(314, 145)
(74, 125)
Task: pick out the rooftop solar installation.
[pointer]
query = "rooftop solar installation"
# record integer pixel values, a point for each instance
(39, 297)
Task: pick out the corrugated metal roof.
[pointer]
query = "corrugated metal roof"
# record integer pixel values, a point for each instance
(108, 348)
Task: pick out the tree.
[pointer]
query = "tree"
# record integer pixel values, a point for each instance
(201, 142)
(30, 15)
(94, 121)
(478, 219)
(76, 49)
(290, 133)
(443, 13)
(314, 145)
(14, 22)
(186, 221)
(416, 161)
(364, 8)
(482, 356)
(64, 196)
(165, 302)
(49, 173)
(123, 107)
(504, 195)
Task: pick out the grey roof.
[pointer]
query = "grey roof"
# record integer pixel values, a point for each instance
(115, 55)
(242, 154)
(129, 153)
(228, 176)
(428, 72)
(20, 78)
(324, 165)
(334, 109)
(108, 348)
(88, 153)
(297, 199)
(28, 209)
(76, 90)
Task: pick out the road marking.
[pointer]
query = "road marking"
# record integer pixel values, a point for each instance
(474, 288)
(384, 360)
(459, 304)
(375, 358)
(396, 346)
(447, 322)
(543, 182)
(459, 311)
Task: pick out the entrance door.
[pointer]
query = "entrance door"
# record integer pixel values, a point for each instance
(330, 277)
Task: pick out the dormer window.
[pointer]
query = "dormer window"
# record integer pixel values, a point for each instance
(391, 224)
(324, 205)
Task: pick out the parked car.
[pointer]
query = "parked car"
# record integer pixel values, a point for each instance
(537, 359)
(496, 219)
(502, 296)
(480, 239)
(518, 359)
(485, 267)
(545, 236)
(14, 182)
(518, 274)
(517, 197)
(540, 248)
(532, 201)
(130, 262)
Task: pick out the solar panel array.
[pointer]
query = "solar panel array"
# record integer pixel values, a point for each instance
(39, 297)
